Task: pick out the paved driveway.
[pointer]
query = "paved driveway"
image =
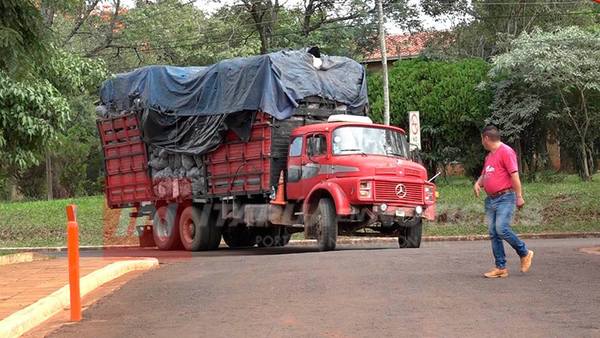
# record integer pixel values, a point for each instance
(436, 290)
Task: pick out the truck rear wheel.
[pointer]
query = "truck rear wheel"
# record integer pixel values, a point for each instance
(198, 228)
(324, 220)
(238, 236)
(410, 237)
(165, 227)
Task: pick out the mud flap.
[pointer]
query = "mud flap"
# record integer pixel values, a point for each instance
(145, 236)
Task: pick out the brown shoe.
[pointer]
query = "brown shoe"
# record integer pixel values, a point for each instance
(496, 273)
(526, 261)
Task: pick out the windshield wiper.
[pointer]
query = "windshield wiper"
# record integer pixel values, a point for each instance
(396, 154)
(359, 150)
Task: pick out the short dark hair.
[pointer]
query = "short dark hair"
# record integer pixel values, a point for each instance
(492, 132)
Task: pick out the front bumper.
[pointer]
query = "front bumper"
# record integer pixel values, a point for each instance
(391, 213)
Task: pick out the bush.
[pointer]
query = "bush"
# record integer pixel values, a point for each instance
(452, 106)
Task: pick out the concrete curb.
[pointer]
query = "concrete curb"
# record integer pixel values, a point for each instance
(394, 240)
(21, 257)
(25, 319)
(341, 240)
(591, 251)
(64, 248)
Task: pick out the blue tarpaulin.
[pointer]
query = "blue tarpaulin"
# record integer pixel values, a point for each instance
(273, 83)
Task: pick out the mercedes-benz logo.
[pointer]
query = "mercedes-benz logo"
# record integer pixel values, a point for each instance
(401, 190)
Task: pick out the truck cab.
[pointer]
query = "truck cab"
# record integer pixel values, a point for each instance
(352, 176)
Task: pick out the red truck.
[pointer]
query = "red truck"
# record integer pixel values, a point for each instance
(324, 176)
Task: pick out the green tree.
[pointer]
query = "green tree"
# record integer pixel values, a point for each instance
(518, 110)
(38, 83)
(346, 25)
(452, 109)
(561, 69)
(171, 32)
(484, 27)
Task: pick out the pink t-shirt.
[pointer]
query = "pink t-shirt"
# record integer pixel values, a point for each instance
(497, 168)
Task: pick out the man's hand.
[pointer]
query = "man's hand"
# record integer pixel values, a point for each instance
(477, 189)
(516, 184)
(520, 202)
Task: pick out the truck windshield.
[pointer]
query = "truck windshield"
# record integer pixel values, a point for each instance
(366, 140)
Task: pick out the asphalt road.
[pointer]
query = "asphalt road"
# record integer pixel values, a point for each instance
(433, 291)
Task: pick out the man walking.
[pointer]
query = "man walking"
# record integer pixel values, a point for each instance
(500, 180)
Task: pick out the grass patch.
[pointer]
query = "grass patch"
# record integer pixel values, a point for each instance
(43, 223)
(568, 205)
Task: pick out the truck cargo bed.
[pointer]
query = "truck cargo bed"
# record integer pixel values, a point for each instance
(249, 167)
(238, 167)
(125, 161)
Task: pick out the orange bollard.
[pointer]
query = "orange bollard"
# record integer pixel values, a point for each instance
(73, 252)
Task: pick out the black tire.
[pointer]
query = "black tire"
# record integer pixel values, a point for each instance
(165, 227)
(324, 221)
(198, 228)
(285, 237)
(410, 237)
(238, 236)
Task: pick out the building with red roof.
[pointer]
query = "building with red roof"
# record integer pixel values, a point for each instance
(405, 46)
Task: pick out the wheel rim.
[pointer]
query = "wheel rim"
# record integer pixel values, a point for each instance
(189, 230)
(163, 228)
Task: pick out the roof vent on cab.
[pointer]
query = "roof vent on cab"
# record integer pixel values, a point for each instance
(349, 118)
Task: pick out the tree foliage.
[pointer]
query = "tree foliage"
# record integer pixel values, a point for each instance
(452, 109)
(485, 27)
(557, 75)
(39, 84)
(343, 27)
(34, 109)
(21, 36)
(163, 32)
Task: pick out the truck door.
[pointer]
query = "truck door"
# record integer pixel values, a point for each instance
(304, 164)
(294, 170)
(313, 156)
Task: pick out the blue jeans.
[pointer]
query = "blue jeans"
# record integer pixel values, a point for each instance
(499, 212)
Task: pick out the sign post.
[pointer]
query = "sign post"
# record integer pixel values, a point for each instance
(414, 130)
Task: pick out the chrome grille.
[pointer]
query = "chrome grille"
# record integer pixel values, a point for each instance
(386, 191)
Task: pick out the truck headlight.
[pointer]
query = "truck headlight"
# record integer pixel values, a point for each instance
(419, 209)
(365, 190)
(429, 194)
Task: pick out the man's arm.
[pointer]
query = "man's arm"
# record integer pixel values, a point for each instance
(516, 185)
(477, 186)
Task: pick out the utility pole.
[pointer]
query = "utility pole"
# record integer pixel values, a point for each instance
(386, 91)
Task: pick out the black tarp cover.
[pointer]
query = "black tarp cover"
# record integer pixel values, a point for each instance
(186, 109)
(272, 83)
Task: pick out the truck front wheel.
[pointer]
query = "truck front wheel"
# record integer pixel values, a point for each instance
(165, 228)
(198, 228)
(324, 221)
(410, 237)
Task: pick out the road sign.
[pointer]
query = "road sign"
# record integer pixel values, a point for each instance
(414, 130)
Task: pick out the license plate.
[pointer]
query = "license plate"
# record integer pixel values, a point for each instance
(399, 213)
